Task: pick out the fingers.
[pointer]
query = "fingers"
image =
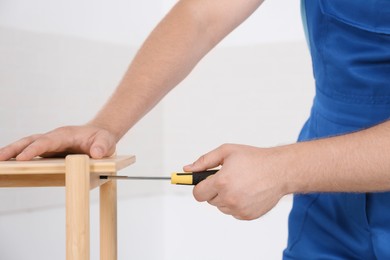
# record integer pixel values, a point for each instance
(52, 142)
(205, 190)
(217, 202)
(209, 160)
(231, 195)
(17, 147)
(90, 140)
(225, 210)
(102, 145)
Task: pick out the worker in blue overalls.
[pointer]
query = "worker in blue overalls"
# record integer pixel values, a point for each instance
(340, 169)
(350, 48)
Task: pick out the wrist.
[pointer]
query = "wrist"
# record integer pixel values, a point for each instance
(295, 177)
(107, 127)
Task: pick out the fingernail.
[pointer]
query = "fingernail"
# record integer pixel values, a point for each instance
(189, 165)
(97, 152)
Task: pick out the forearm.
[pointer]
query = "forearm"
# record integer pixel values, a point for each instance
(164, 59)
(356, 162)
(182, 38)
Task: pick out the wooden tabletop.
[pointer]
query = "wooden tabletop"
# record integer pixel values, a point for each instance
(57, 166)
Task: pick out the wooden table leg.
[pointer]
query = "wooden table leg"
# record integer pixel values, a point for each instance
(108, 221)
(77, 182)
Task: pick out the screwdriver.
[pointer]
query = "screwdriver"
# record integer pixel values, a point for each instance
(181, 178)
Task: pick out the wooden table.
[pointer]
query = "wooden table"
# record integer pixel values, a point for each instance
(79, 174)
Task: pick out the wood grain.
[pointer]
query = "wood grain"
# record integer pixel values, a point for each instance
(32, 180)
(77, 207)
(108, 221)
(56, 166)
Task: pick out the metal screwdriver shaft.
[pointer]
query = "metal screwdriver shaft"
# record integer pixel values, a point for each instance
(134, 177)
(183, 178)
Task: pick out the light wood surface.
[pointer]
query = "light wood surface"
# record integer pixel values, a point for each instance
(49, 172)
(32, 180)
(79, 174)
(108, 221)
(77, 207)
(55, 166)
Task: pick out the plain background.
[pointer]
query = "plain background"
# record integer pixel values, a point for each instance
(60, 60)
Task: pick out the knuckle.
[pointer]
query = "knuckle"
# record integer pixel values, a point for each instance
(202, 159)
(63, 130)
(220, 182)
(41, 139)
(229, 200)
(232, 202)
(224, 210)
(237, 217)
(244, 216)
(246, 213)
(197, 194)
(225, 147)
(30, 138)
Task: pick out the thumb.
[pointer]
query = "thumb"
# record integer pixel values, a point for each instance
(207, 161)
(102, 146)
(97, 151)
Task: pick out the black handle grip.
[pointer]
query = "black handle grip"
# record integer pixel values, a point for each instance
(200, 176)
(191, 178)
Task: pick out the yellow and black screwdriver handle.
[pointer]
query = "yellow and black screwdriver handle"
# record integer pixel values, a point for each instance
(190, 178)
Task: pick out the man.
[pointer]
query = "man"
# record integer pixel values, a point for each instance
(343, 159)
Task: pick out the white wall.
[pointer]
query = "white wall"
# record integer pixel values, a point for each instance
(116, 21)
(254, 88)
(128, 22)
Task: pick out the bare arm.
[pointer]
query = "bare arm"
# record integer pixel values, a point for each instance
(252, 180)
(357, 162)
(184, 36)
(181, 39)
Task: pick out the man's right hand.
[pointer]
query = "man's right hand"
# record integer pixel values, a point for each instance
(87, 139)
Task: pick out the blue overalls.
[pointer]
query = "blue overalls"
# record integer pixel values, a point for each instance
(350, 47)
